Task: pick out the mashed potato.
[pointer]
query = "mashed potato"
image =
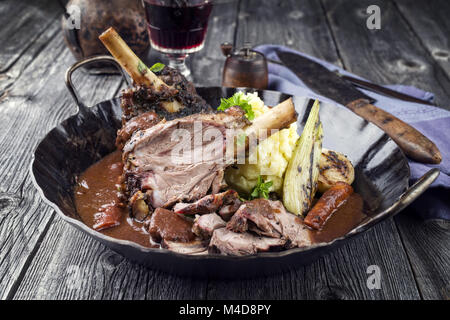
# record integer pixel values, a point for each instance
(270, 158)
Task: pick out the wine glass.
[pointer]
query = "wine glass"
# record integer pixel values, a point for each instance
(177, 28)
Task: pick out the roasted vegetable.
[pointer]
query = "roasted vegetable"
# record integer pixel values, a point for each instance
(273, 155)
(334, 167)
(328, 204)
(302, 173)
(139, 207)
(270, 158)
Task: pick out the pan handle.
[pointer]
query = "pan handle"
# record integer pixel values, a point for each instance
(85, 62)
(411, 194)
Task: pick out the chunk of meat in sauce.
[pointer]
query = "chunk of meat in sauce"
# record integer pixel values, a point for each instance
(205, 225)
(208, 204)
(227, 242)
(149, 165)
(167, 225)
(110, 214)
(270, 218)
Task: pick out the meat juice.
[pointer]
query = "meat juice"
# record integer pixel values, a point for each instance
(177, 26)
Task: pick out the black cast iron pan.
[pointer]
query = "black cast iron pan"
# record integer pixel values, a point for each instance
(381, 169)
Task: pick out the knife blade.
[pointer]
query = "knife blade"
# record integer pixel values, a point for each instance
(373, 87)
(383, 90)
(327, 83)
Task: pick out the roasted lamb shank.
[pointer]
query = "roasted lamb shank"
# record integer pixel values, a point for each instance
(163, 91)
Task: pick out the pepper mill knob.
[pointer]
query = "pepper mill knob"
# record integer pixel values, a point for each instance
(226, 48)
(246, 49)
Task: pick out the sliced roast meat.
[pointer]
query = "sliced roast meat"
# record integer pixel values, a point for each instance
(219, 182)
(168, 226)
(205, 225)
(141, 122)
(227, 242)
(195, 247)
(174, 233)
(261, 213)
(270, 218)
(226, 212)
(295, 231)
(208, 204)
(166, 163)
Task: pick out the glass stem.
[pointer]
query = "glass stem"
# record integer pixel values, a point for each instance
(178, 61)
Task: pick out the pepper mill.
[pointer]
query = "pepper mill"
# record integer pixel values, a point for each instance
(244, 68)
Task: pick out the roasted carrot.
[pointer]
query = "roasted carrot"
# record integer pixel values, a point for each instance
(328, 203)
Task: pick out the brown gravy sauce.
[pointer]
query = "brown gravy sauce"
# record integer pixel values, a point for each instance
(348, 216)
(97, 188)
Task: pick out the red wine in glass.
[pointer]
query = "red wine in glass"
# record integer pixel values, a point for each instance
(177, 27)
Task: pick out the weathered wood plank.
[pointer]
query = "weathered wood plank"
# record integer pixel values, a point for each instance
(15, 71)
(429, 21)
(427, 244)
(392, 54)
(23, 220)
(207, 65)
(339, 275)
(71, 265)
(22, 23)
(34, 102)
(299, 24)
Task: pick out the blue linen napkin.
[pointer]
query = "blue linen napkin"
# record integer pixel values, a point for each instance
(431, 121)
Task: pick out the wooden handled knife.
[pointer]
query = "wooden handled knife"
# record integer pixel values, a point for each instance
(327, 83)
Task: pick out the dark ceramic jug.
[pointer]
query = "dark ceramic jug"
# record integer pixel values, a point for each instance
(95, 16)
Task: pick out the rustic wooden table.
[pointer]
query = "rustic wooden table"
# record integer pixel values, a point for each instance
(41, 257)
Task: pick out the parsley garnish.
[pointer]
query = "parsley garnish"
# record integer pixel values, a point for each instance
(157, 67)
(261, 189)
(237, 100)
